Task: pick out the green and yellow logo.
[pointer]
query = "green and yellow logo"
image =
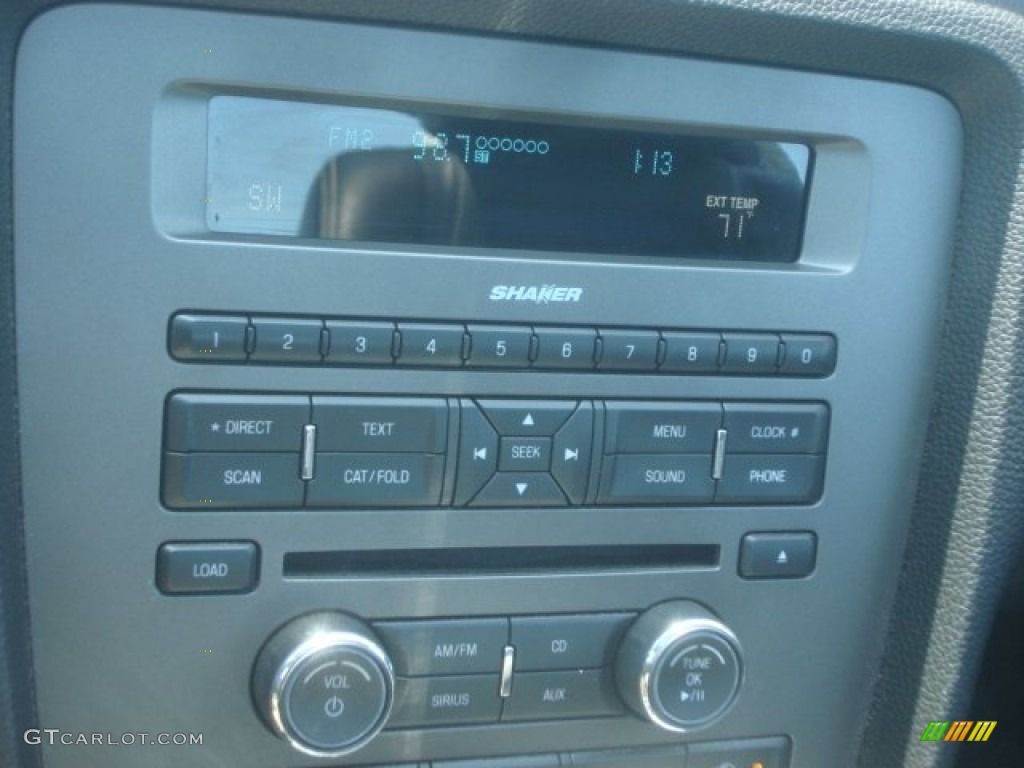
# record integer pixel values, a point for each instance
(959, 730)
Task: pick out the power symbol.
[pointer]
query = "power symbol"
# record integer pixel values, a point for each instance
(334, 706)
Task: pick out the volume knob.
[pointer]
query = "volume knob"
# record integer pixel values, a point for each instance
(324, 684)
(679, 666)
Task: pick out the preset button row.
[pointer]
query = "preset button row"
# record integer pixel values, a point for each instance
(221, 338)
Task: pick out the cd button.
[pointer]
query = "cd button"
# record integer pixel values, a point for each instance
(629, 350)
(399, 424)
(525, 454)
(520, 489)
(280, 340)
(376, 480)
(567, 642)
(423, 344)
(751, 353)
(565, 348)
(214, 338)
(354, 343)
(656, 479)
(500, 346)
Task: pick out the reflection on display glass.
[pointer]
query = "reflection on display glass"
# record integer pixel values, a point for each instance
(412, 177)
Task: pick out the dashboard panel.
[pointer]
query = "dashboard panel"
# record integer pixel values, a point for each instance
(372, 437)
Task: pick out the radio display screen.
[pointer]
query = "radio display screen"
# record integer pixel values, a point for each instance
(408, 176)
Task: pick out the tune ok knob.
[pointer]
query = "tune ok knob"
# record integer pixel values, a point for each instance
(679, 666)
(324, 684)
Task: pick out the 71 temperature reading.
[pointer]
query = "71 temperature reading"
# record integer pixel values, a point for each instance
(658, 162)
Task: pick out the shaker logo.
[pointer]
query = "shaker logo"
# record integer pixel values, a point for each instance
(538, 294)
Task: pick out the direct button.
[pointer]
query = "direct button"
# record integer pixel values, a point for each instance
(771, 479)
(554, 695)
(567, 642)
(525, 454)
(460, 700)
(376, 480)
(201, 422)
(661, 427)
(770, 428)
(211, 567)
(446, 647)
(398, 424)
(231, 480)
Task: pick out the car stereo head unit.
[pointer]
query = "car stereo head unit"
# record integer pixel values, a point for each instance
(539, 415)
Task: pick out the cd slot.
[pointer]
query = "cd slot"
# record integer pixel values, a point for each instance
(498, 560)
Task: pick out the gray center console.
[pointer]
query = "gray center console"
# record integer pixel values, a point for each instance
(420, 398)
